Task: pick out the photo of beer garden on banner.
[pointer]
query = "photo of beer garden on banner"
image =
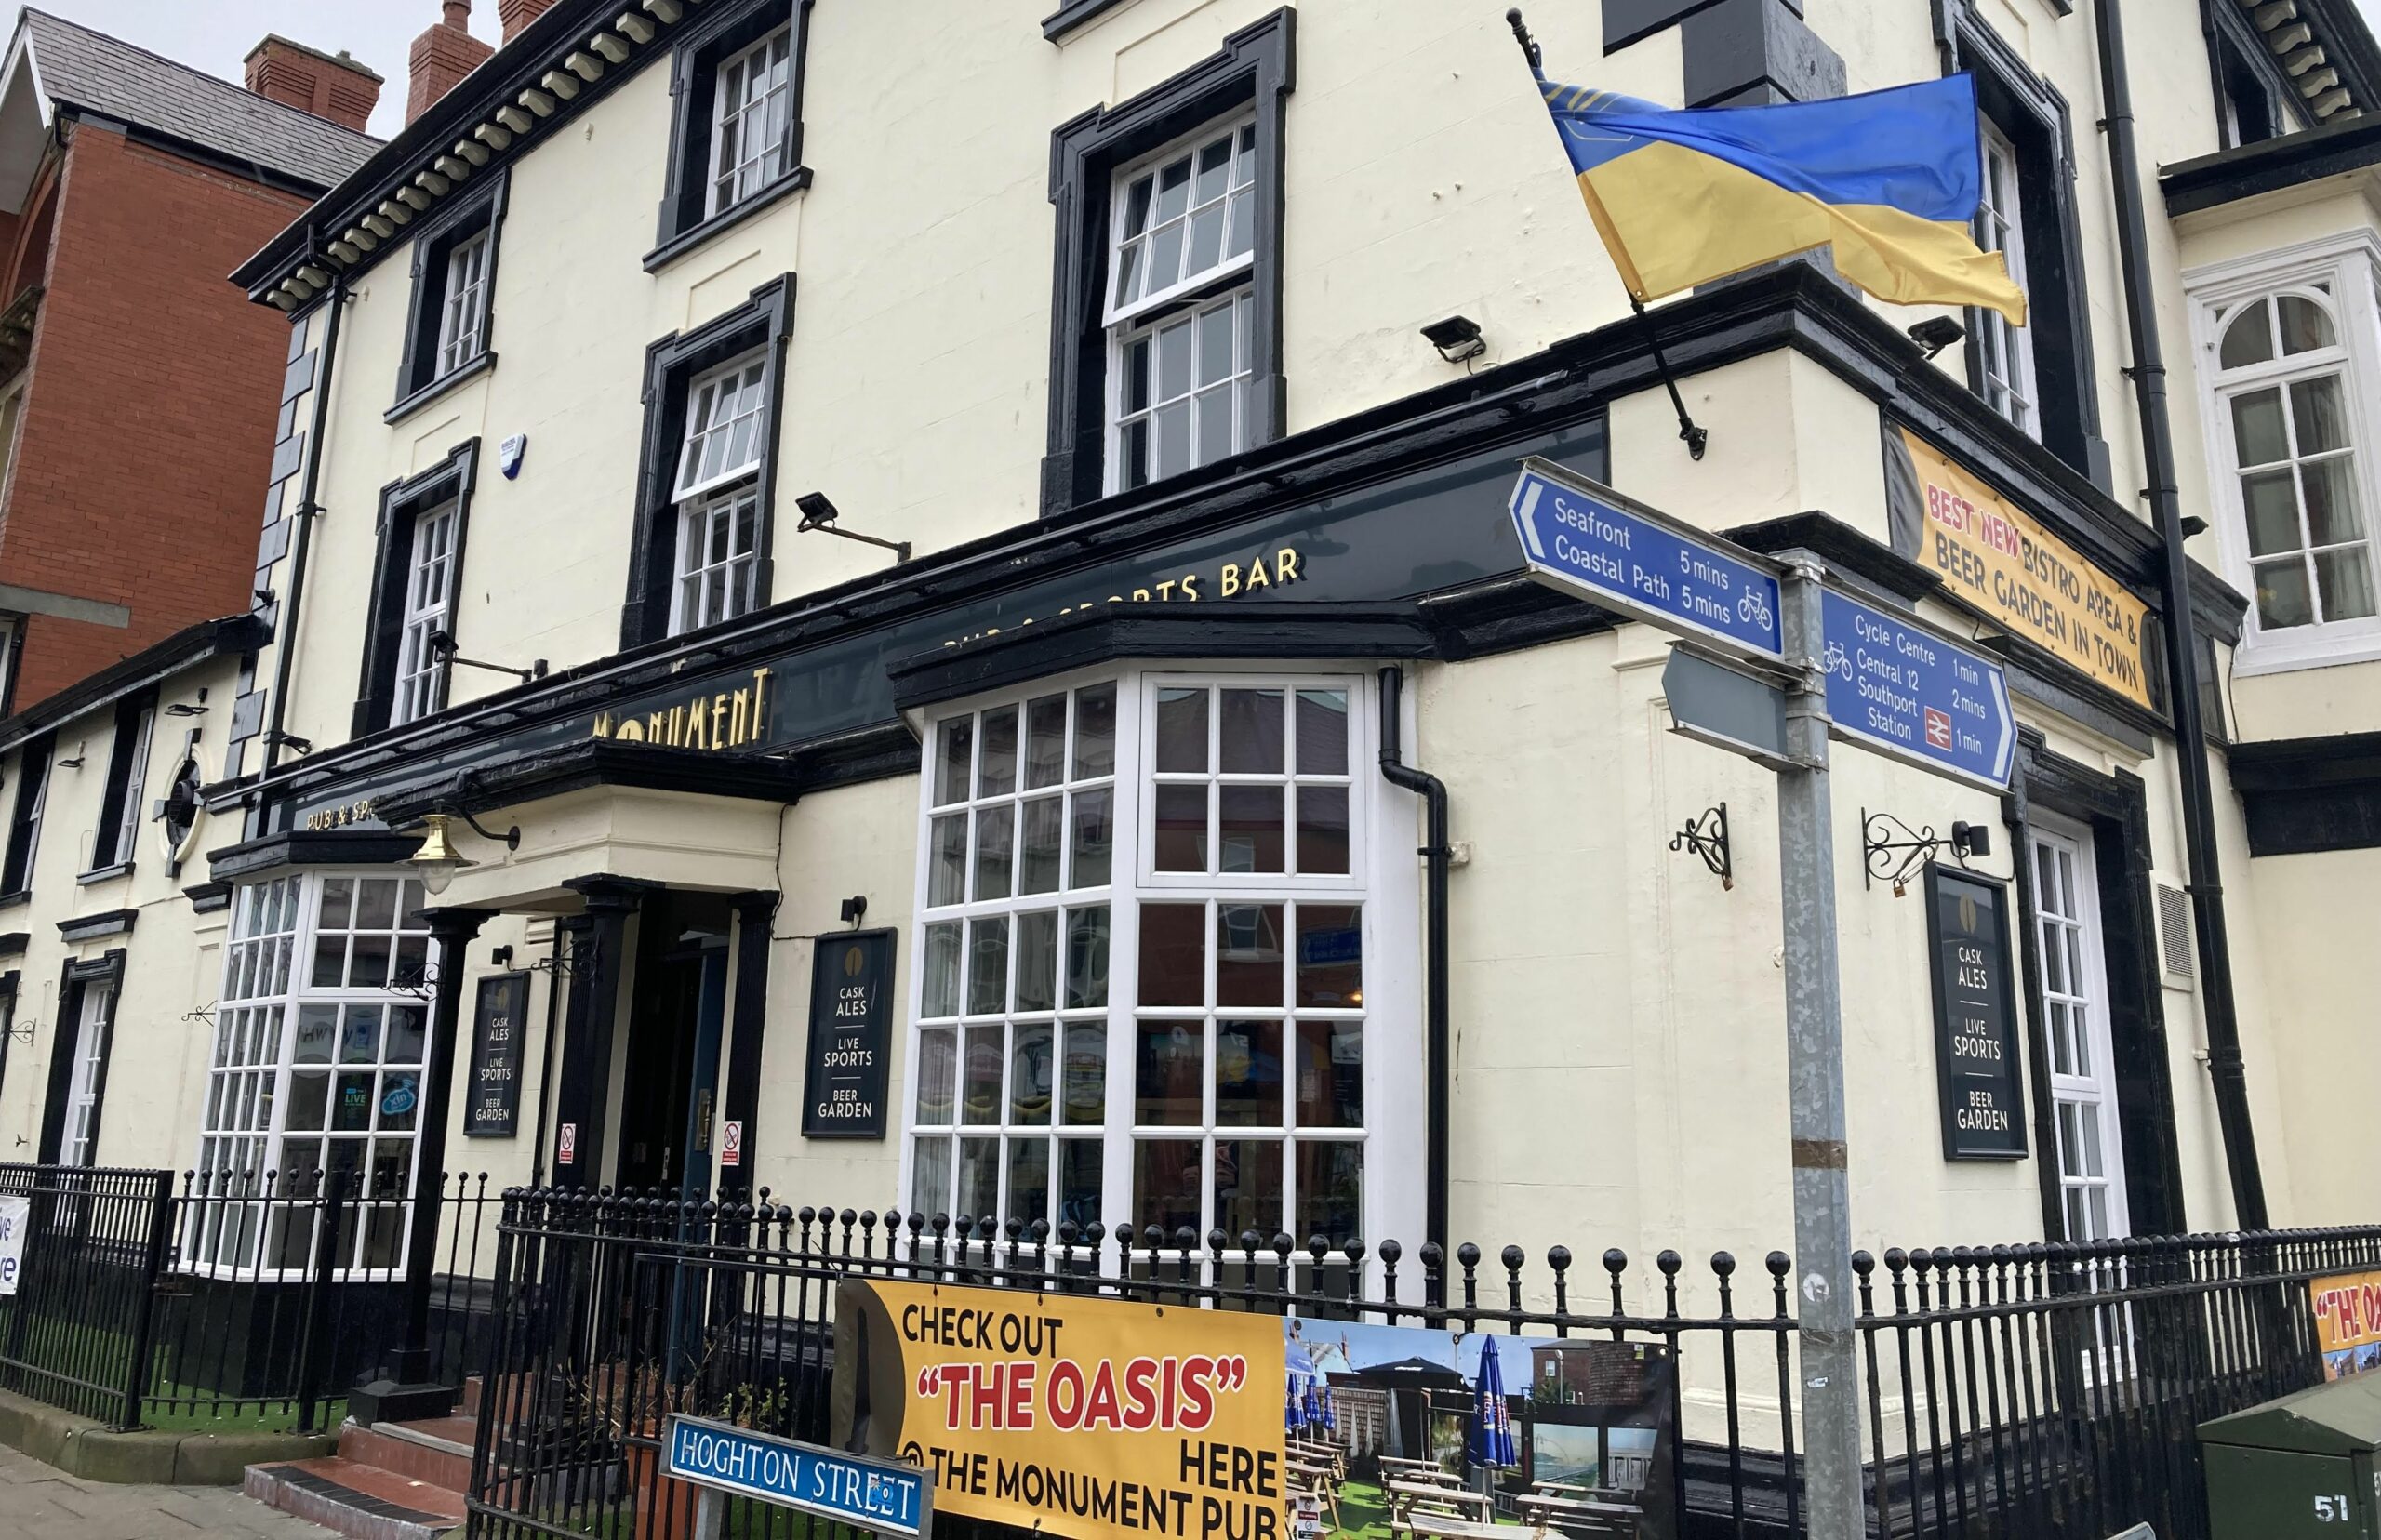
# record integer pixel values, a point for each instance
(1404, 1430)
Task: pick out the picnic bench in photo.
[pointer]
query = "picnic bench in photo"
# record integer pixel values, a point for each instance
(1579, 1517)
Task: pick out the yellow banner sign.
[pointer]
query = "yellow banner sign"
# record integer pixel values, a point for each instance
(2005, 564)
(2347, 1321)
(1093, 1418)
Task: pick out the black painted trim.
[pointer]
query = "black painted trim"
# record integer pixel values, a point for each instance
(91, 927)
(208, 897)
(2116, 808)
(1075, 14)
(2228, 30)
(1513, 406)
(103, 874)
(408, 406)
(702, 46)
(765, 320)
(13, 944)
(2305, 796)
(127, 744)
(599, 761)
(311, 847)
(25, 820)
(1284, 629)
(1257, 65)
(687, 240)
(144, 669)
(435, 237)
(2294, 160)
(2031, 111)
(74, 979)
(402, 502)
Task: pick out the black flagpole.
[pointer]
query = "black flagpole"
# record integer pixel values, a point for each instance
(1694, 437)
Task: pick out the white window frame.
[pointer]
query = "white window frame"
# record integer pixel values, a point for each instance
(1384, 878)
(94, 1029)
(1229, 281)
(2006, 352)
(429, 608)
(462, 306)
(1227, 265)
(2350, 263)
(2084, 975)
(266, 984)
(735, 182)
(721, 403)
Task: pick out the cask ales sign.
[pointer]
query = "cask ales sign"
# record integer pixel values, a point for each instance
(851, 1020)
(1976, 1017)
(493, 1109)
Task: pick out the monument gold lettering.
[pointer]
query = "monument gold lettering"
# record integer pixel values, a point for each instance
(721, 720)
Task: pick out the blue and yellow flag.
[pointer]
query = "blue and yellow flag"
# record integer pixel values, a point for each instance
(1889, 179)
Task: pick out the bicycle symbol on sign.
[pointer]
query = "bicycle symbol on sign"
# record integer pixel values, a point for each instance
(1753, 609)
(1837, 661)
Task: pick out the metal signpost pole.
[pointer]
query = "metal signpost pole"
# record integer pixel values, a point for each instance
(1814, 1078)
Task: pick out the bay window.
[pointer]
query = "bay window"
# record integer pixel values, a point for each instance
(1159, 981)
(316, 1067)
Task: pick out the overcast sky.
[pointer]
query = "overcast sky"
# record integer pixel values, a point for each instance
(216, 34)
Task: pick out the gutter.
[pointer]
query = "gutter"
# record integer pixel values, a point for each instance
(1435, 853)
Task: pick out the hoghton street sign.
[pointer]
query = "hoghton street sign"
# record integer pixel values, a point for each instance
(1589, 541)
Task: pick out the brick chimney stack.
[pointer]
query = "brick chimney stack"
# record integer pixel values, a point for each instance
(517, 14)
(332, 87)
(442, 57)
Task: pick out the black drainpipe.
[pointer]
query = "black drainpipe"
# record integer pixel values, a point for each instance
(285, 628)
(2206, 879)
(1434, 853)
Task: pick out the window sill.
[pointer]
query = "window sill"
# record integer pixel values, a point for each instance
(10, 900)
(1073, 14)
(448, 381)
(2258, 656)
(694, 235)
(105, 873)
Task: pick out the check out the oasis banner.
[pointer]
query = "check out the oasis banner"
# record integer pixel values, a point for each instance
(1082, 1417)
(1103, 1419)
(2002, 562)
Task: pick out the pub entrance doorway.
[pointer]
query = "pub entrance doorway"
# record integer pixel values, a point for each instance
(671, 1067)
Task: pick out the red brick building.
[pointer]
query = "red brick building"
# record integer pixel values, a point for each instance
(137, 386)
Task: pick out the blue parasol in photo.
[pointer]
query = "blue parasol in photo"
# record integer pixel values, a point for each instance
(1330, 1410)
(1492, 1421)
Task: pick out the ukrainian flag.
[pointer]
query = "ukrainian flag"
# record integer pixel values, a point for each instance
(1889, 179)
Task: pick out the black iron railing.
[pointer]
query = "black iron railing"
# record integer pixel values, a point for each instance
(253, 1300)
(2032, 1391)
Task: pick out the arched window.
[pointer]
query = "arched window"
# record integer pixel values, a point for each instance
(2287, 422)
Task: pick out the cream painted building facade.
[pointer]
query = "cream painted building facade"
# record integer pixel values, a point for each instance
(1112, 323)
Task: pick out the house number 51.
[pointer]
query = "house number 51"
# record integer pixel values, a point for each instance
(2333, 1510)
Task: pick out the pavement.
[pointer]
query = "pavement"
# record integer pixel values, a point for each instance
(38, 1502)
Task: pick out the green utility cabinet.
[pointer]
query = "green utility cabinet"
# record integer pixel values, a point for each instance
(2297, 1468)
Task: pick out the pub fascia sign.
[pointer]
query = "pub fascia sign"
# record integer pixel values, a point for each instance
(730, 719)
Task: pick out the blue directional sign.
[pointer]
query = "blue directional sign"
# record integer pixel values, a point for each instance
(1908, 691)
(1587, 540)
(883, 1495)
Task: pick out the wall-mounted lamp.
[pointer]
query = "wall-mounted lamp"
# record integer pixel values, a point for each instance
(438, 860)
(442, 645)
(854, 908)
(185, 709)
(295, 744)
(1935, 333)
(501, 957)
(819, 513)
(1456, 338)
(75, 763)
